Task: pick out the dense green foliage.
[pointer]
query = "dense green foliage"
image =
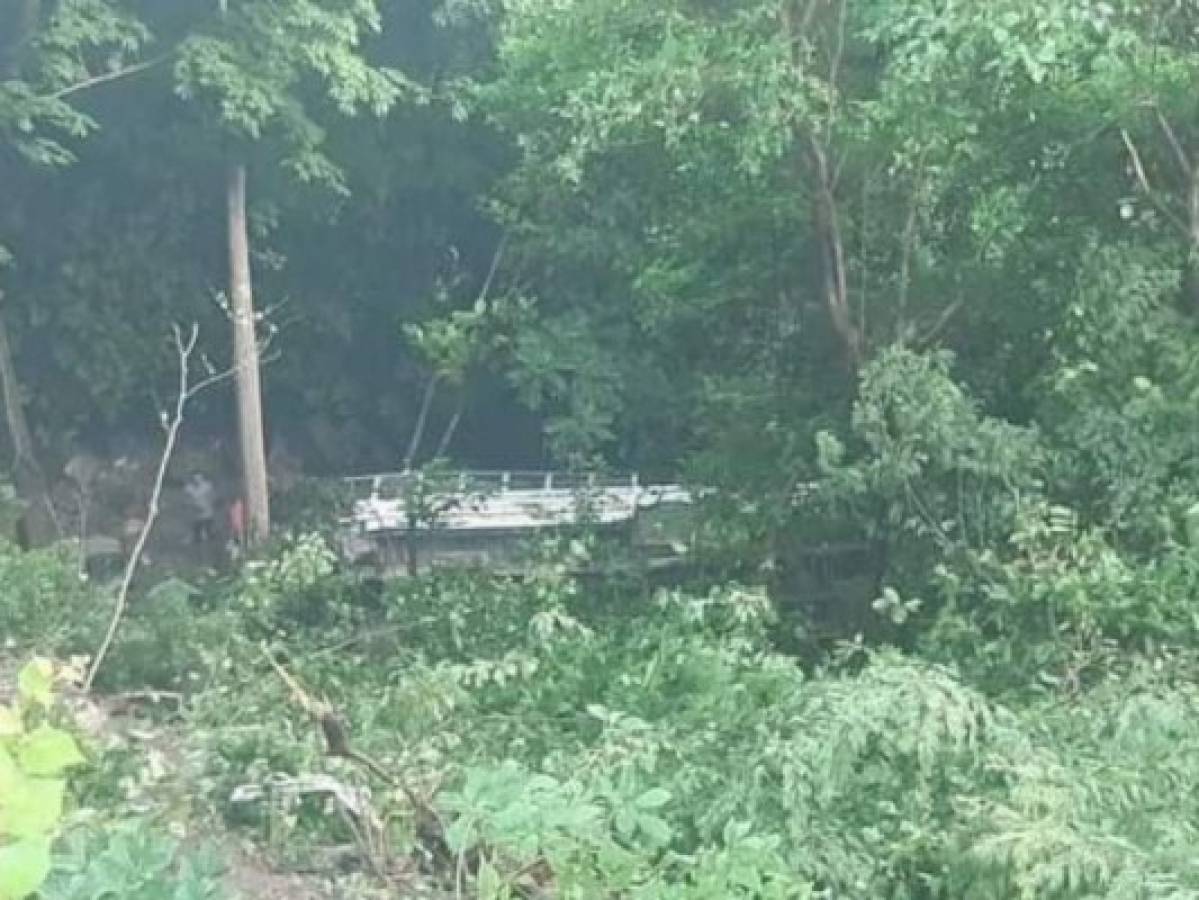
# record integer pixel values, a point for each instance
(658, 746)
(907, 288)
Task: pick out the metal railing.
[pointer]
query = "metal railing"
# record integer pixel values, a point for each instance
(505, 500)
(488, 481)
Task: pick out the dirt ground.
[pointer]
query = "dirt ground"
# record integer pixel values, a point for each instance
(251, 877)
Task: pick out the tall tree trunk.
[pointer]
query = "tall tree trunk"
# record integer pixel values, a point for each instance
(39, 522)
(245, 356)
(836, 279)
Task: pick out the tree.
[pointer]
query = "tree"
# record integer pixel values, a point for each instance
(131, 237)
(50, 55)
(247, 69)
(723, 211)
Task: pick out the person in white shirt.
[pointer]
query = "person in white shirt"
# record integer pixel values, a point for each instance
(203, 499)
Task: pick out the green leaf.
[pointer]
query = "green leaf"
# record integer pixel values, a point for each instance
(1192, 525)
(31, 807)
(624, 822)
(656, 830)
(10, 722)
(23, 867)
(654, 798)
(10, 775)
(490, 884)
(35, 683)
(48, 751)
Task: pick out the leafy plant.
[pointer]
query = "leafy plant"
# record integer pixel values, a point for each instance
(45, 606)
(34, 757)
(132, 860)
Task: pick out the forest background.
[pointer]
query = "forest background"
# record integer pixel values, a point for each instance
(915, 277)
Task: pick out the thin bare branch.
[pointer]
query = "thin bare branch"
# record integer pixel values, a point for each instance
(905, 265)
(435, 380)
(1147, 189)
(452, 426)
(943, 319)
(1180, 155)
(211, 380)
(835, 58)
(264, 359)
(495, 266)
(115, 75)
(422, 418)
(185, 346)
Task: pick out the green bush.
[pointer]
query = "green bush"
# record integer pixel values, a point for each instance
(131, 861)
(659, 747)
(45, 605)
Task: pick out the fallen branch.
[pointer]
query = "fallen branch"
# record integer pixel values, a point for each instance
(130, 698)
(335, 731)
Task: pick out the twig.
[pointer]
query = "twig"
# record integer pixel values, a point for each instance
(114, 75)
(1184, 162)
(905, 264)
(184, 347)
(371, 633)
(942, 320)
(418, 430)
(333, 728)
(82, 560)
(528, 869)
(367, 844)
(451, 426)
(806, 18)
(495, 265)
(797, 27)
(149, 696)
(1139, 170)
(835, 70)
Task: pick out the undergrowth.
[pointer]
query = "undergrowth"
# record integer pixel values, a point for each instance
(532, 737)
(590, 744)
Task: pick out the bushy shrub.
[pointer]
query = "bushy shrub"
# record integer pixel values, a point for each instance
(45, 605)
(1059, 604)
(168, 641)
(659, 747)
(132, 860)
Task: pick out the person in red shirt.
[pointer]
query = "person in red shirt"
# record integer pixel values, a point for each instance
(237, 526)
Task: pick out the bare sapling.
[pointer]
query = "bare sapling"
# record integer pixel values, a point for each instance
(172, 424)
